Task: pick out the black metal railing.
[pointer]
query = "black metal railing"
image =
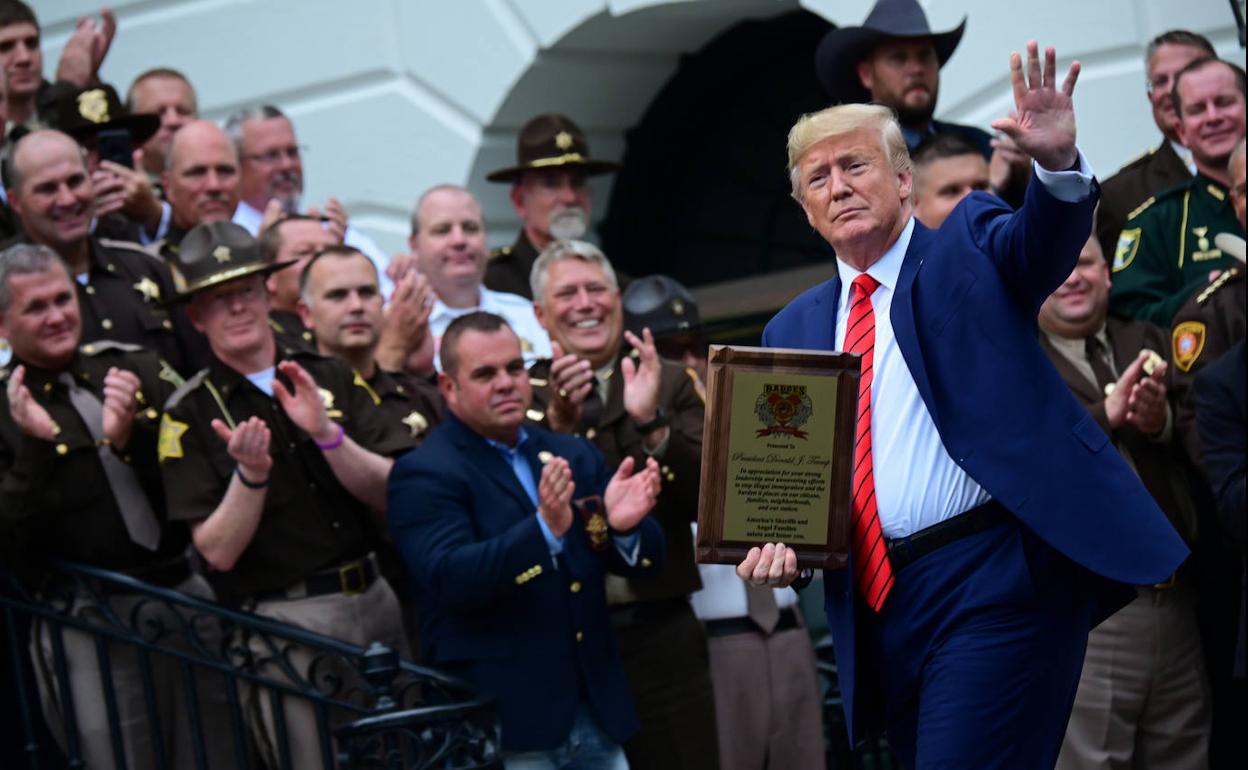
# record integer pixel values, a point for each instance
(108, 651)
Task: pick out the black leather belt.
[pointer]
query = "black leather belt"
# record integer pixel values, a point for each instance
(625, 615)
(351, 577)
(903, 551)
(733, 626)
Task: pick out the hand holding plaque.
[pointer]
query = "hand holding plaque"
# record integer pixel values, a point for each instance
(777, 458)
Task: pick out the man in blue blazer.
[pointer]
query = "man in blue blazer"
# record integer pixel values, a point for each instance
(994, 523)
(506, 531)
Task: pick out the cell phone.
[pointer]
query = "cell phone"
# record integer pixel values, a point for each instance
(116, 145)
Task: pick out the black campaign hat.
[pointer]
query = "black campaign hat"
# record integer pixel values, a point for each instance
(215, 253)
(840, 51)
(551, 141)
(662, 304)
(88, 111)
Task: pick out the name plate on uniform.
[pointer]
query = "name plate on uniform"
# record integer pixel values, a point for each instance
(777, 454)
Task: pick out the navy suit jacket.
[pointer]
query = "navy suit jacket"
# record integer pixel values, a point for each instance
(964, 315)
(494, 607)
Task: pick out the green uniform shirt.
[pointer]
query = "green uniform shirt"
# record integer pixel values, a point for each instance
(1166, 250)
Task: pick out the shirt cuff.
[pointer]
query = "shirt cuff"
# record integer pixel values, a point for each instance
(555, 544)
(1067, 186)
(629, 547)
(162, 229)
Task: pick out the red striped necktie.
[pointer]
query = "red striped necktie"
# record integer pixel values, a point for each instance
(873, 574)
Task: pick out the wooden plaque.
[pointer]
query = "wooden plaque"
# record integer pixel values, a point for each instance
(777, 454)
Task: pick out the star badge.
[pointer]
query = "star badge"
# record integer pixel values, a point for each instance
(149, 289)
(416, 423)
(563, 140)
(221, 254)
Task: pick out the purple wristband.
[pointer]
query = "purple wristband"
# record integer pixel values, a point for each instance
(337, 441)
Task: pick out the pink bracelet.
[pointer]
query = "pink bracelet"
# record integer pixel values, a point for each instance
(337, 442)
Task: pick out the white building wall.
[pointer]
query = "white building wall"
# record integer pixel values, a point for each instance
(393, 96)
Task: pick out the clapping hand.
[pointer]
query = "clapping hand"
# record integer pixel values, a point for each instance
(248, 445)
(554, 495)
(27, 413)
(303, 404)
(571, 380)
(630, 496)
(121, 388)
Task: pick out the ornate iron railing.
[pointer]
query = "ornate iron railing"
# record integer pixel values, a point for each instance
(371, 709)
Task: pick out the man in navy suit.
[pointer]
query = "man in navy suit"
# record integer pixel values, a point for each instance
(506, 531)
(993, 522)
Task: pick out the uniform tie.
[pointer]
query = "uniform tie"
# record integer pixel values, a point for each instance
(873, 574)
(136, 511)
(761, 607)
(1100, 364)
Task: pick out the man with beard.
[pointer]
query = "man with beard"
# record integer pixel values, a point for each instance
(201, 181)
(894, 59)
(272, 170)
(121, 290)
(448, 242)
(1168, 248)
(167, 93)
(1170, 163)
(550, 191)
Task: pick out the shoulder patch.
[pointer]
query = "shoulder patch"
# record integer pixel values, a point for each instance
(1187, 342)
(169, 444)
(1135, 212)
(1128, 245)
(186, 387)
(103, 346)
(1215, 192)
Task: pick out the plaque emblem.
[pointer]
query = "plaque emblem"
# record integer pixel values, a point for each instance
(783, 409)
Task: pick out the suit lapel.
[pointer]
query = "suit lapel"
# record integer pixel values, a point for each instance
(901, 313)
(490, 462)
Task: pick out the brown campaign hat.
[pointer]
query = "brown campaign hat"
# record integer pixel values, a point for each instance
(836, 59)
(84, 113)
(551, 141)
(214, 253)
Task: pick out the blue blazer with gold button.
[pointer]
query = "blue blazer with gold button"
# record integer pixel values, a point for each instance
(496, 609)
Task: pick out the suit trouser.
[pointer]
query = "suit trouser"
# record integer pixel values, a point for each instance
(370, 616)
(664, 655)
(1144, 699)
(767, 700)
(980, 646)
(136, 724)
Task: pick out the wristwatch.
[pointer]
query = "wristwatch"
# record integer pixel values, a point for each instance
(659, 421)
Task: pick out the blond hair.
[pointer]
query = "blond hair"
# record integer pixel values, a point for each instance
(814, 127)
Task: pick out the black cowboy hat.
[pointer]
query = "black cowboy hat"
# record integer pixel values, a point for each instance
(84, 113)
(551, 141)
(840, 51)
(662, 304)
(214, 253)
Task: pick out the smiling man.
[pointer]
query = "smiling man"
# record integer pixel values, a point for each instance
(993, 524)
(201, 180)
(1143, 696)
(448, 241)
(636, 406)
(1167, 247)
(508, 531)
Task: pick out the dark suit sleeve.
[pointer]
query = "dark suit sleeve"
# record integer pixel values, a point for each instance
(1218, 394)
(1035, 248)
(430, 513)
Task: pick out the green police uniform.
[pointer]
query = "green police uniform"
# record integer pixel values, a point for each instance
(1166, 249)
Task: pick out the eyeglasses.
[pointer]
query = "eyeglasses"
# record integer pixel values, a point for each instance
(1158, 84)
(274, 156)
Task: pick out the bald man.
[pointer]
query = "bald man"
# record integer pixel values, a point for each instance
(201, 179)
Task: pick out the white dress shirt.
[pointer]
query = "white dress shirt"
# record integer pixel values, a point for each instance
(515, 310)
(917, 482)
(249, 218)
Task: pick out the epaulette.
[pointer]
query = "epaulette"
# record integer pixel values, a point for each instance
(1217, 283)
(1140, 208)
(1215, 192)
(501, 251)
(190, 385)
(1137, 159)
(103, 346)
(130, 246)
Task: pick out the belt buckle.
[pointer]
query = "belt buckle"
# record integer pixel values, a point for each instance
(1166, 584)
(352, 587)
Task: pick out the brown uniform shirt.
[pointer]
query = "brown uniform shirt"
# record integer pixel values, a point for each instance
(291, 333)
(680, 463)
(509, 267)
(124, 299)
(55, 499)
(310, 521)
(408, 401)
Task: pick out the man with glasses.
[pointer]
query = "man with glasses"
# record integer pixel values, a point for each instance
(1168, 164)
(272, 174)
